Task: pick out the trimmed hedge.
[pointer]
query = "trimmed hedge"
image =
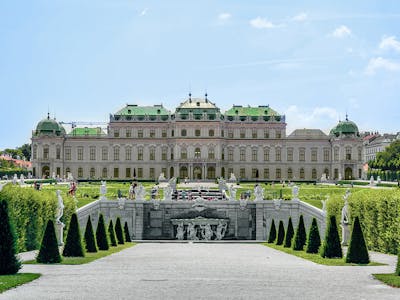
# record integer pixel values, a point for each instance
(331, 247)
(314, 239)
(118, 231)
(272, 233)
(281, 233)
(126, 232)
(101, 235)
(30, 210)
(90, 242)
(379, 213)
(357, 251)
(111, 234)
(300, 237)
(289, 234)
(49, 253)
(73, 245)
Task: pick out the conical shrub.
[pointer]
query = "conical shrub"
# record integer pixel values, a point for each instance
(73, 244)
(118, 231)
(314, 239)
(9, 263)
(300, 237)
(49, 253)
(126, 231)
(111, 234)
(289, 234)
(357, 251)
(90, 242)
(272, 233)
(281, 233)
(101, 236)
(331, 247)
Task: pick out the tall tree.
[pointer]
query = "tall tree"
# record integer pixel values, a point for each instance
(49, 252)
(331, 247)
(300, 237)
(73, 244)
(101, 236)
(272, 233)
(90, 242)
(357, 251)
(9, 263)
(111, 234)
(289, 234)
(314, 239)
(281, 233)
(118, 231)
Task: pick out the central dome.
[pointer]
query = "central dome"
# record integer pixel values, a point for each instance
(49, 127)
(346, 128)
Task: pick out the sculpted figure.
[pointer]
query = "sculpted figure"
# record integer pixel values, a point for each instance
(60, 207)
(180, 231)
(220, 232)
(192, 232)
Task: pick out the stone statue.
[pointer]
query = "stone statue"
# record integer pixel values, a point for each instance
(232, 178)
(323, 177)
(180, 231)
(232, 193)
(206, 232)
(222, 185)
(15, 179)
(192, 232)
(161, 177)
(220, 232)
(103, 190)
(259, 193)
(60, 207)
(378, 179)
(168, 193)
(324, 204)
(371, 181)
(345, 220)
(140, 192)
(295, 192)
(172, 183)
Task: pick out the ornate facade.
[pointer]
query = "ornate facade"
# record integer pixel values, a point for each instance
(197, 141)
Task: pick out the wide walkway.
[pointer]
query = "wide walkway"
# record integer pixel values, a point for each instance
(204, 271)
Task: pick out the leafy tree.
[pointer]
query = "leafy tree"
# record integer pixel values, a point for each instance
(101, 236)
(331, 247)
(314, 239)
(26, 151)
(90, 242)
(272, 233)
(126, 232)
(49, 253)
(9, 263)
(289, 234)
(118, 231)
(111, 233)
(281, 233)
(389, 159)
(300, 237)
(398, 265)
(357, 251)
(73, 244)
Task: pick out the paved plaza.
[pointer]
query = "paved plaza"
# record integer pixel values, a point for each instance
(205, 271)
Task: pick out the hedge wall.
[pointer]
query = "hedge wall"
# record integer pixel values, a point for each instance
(30, 210)
(379, 213)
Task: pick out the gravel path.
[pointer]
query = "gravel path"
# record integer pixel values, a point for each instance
(205, 271)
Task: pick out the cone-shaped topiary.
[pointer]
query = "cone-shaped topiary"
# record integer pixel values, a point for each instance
(331, 247)
(90, 242)
(300, 237)
(101, 236)
(73, 244)
(357, 251)
(111, 233)
(281, 233)
(314, 239)
(272, 233)
(9, 263)
(49, 253)
(118, 231)
(289, 234)
(126, 231)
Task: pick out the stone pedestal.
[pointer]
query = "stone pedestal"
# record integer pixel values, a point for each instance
(59, 227)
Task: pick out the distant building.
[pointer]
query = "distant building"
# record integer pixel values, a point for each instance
(197, 141)
(376, 142)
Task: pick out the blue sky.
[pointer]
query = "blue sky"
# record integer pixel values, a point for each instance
(310, 60)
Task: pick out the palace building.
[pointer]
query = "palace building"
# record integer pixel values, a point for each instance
(199, 142)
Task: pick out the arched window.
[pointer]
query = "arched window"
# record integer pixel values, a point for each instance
(183, 153)
(197, 153)
(211, 154)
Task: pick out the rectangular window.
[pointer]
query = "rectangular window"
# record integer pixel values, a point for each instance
(266, 154)
(336, 154)
(140, 133)
(326, 155)
(242, 133)
(254, 133)
(46, 153)
(116, 132)
(242, 154)
(230, 155)
(140, 154)
(164, 154)
(348, 153)
(152, 133)
(152, 153)
(211, 154)
(128, 172)
(254, 155)
(116, 153)
(336, 173)
(314, 154)
(164, 133)
(80, 172)
(164, 170)
(128, 133)
(230, 171)
(128, 153)
(266, 173)
(92, 153)
(266, 134)
(152, 173)
(302, 154)
(242, 173)
(254, 173)
(116, 173)
(58, 153)
(104, 153)
(68, 153)
(290, 154)
(140, 172)
(58, 172)
(80, 153)
(359, 156)
(230, 133)
(104, 173)
(278, 154)
(278, 174)
(278, 134)
(183, 154)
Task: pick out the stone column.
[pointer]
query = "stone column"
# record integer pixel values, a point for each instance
(139, 211)
(260, 222)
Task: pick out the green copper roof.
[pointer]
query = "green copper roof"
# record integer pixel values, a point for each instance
(86, 131)
(135, 110)
(251, 111)
(49, 127)
(345, 127)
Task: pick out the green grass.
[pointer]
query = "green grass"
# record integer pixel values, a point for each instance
(89, 257)
(316, 258)
(9, 281)
(389, 279)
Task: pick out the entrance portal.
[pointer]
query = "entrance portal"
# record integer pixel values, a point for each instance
(46, 171)
(197, 172)
(348, 173)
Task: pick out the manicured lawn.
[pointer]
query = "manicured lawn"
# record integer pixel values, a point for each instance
(389, 279)
(9, 281)
(89, 257)
(316, 258)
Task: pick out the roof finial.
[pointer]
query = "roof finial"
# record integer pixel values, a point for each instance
(190, 97)
(206, 96)
(347, 117)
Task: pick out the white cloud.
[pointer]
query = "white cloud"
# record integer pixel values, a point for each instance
(324, 118)
(341, 32)
(389, 42)
(377, 63)
(143, 12)
(224, 16)
(300, 17)
(261, 23)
